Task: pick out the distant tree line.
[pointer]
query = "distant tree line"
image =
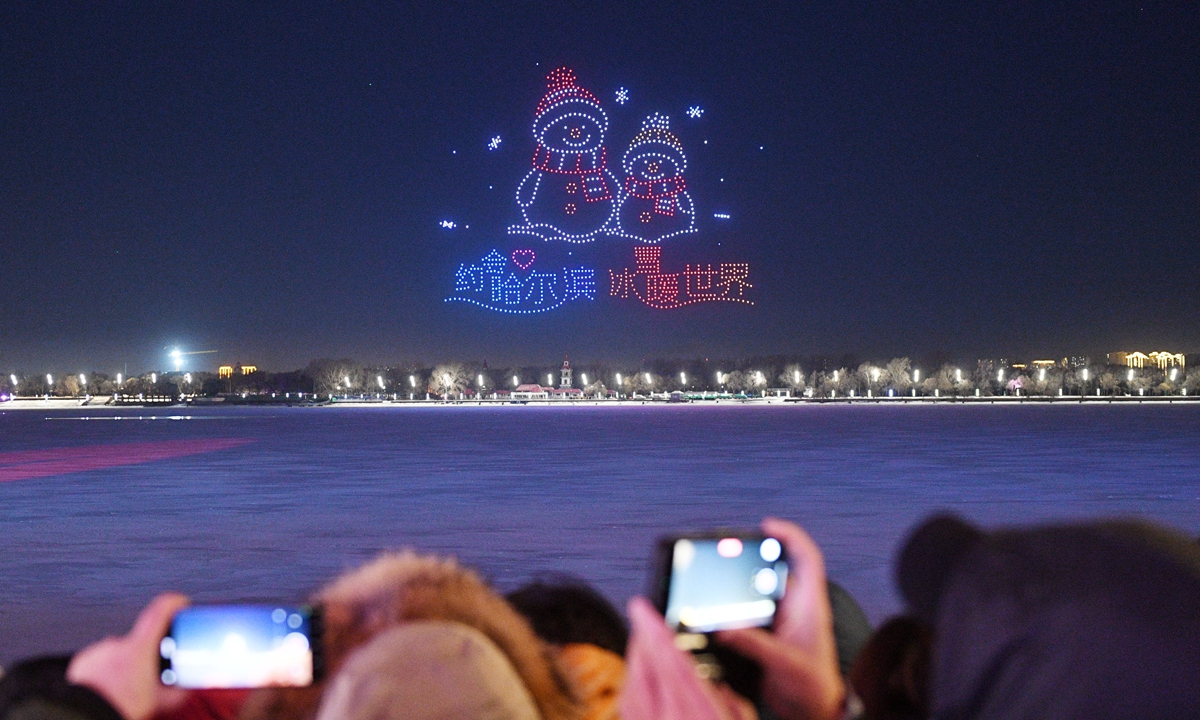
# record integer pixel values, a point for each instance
(812, 376)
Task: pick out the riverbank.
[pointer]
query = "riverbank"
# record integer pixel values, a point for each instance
(97, 403)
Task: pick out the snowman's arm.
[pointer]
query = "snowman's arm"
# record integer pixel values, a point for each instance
(528, 188)
(685, 204)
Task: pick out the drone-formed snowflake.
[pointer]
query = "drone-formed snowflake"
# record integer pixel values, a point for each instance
(494, 143)
(448, 224)
(695, 111)
(622, 96)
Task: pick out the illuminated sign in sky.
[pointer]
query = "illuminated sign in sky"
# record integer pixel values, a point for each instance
(572, 195)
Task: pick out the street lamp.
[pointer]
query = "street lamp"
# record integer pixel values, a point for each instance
(379, 380)
(618, 379)
(649, 380)
(583, 377)
(916, 376)
(683, 378)
(796, 376)
(758, 377)
(550, 379)
(412, 381)
(516, 381)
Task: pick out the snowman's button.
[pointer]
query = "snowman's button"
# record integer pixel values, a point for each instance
(570, 208)
(646, 217)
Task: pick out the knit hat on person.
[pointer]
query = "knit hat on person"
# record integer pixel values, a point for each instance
(428, 671)
(563, 98)
(1097, 620)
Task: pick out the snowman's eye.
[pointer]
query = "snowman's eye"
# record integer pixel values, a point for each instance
(575, 133)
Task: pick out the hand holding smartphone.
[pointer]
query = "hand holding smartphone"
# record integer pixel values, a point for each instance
(716, 581)
(242, 646)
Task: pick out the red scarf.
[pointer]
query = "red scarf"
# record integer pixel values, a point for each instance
(589, 166)
(662, 192)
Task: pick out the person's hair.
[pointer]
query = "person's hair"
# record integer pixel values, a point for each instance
(891, 674)
(566, 610)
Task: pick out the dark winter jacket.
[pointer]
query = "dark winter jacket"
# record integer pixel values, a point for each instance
(38, 690)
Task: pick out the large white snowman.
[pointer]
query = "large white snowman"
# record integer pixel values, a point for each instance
(655, 205)
(569, 194)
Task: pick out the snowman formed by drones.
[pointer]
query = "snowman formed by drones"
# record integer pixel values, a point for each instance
(570, 194)
(656, 204)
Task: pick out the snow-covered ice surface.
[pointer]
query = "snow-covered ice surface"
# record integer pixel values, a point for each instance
(520, 492)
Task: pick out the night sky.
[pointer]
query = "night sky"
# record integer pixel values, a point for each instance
(268, 180)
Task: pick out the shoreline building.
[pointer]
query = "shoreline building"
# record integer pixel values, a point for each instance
(1138, 360)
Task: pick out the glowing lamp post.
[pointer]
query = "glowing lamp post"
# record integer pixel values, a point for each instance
(683, 378)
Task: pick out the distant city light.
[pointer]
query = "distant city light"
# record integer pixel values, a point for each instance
(721, 216)
(448, 224)
(695, 111)
(622, 95)
(494, 143)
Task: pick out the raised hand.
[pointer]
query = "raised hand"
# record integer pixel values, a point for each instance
(124, 670)
(801, 680)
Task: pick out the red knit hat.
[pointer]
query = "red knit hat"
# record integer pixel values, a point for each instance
(564, 97)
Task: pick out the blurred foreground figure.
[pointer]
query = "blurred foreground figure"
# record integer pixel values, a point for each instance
(397, 590)
(588, 634)
(1097, 621)
(428, 671)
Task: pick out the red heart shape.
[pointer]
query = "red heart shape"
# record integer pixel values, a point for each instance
(523, 258)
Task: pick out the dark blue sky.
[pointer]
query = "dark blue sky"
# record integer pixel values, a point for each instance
(266, 180)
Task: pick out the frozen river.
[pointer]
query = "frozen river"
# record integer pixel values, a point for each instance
(243, 504)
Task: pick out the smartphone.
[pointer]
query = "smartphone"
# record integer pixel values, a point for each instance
(242, 646)
(715, 581)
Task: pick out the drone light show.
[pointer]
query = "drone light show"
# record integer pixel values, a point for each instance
(571, 196)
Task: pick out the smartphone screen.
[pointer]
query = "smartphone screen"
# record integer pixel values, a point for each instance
(240, 646)
(724, 583)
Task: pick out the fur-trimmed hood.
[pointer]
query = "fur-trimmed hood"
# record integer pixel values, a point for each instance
(402, 587)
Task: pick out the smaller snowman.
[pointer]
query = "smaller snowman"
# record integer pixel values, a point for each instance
(570, 194)
(656, 205)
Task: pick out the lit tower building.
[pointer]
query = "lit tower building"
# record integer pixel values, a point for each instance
(565, 382)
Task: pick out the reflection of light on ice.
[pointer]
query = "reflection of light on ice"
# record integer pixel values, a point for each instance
(235, 665)
(728, 617)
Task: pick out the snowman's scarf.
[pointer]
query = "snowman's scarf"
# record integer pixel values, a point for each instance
(663, 192)
(589, 166)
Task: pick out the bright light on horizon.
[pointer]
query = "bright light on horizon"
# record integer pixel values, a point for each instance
(683, 378)
(82, 379)
(583, 377)
(379, 379)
